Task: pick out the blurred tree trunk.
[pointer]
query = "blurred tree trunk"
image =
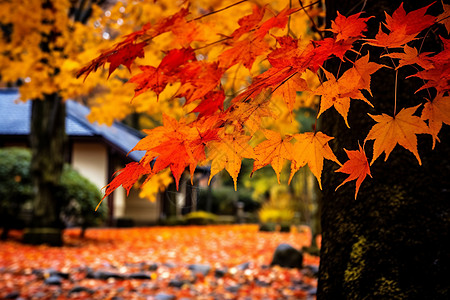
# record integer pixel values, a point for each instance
(392, 242)
(47, 138)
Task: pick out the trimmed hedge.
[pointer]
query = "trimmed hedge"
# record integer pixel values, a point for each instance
(78, 195)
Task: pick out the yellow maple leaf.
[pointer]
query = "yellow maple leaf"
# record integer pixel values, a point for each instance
(273, 151)
(437, 112)
(288, 90)
(400, 129)
(311, 148)
(227, 153)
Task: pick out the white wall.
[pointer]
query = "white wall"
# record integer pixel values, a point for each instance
(91, 160)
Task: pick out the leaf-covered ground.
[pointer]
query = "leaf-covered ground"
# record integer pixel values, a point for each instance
(210, 262)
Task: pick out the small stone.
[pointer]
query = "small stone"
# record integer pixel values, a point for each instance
(243, 266)
(287, 256)
(104, 275)
(53, 280)
(200, 269)
(219, 273)
(143, 276)
(12, 295)
(177, 283)
(164, 296)
(152, 267)
(79, 289)
(233, 288)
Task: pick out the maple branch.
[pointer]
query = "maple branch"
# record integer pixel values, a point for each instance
(217, 11)
(310, 18)
(213, 43)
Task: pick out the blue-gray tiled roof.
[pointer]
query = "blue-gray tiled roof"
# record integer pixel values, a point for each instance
(15, 120)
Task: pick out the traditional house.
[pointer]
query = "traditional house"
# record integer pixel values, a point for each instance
(95, 151)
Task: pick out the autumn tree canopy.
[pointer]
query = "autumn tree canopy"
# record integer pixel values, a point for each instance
(220, 128)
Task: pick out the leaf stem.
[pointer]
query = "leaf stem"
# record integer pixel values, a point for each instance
(395, 95)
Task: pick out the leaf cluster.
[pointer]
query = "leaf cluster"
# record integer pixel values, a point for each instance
(223, 129)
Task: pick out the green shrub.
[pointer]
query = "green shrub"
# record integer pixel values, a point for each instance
(79, 198)
(223, 200)
(15, 185)
(78, 195)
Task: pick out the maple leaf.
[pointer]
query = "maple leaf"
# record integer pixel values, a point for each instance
(156, 79)
(444, 18)
(249, 22)
(123, 54)
(411, 56)
(437, 112)
(288, 89)
(245, 52)
(413, 22)
(249, 113)
(395, 39)
(400, 129)
(311, 148)
(212, 102)
(227, 153)
(126, 177)
(273, 151)
(278, 21)
(361, 73)
(349, 28)
(337, 93)
(198, 78)
(403, 27)
(356, 166)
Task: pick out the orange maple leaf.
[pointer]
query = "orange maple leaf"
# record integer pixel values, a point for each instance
(227, 153)
(356, 166)
(245, 52)
(444, 18)
(411, 56)
(126, 177)
(361, 73)
(289, 88)
(437, 112)
(311, 148)
(337, 93)
(274, 151)
(400, 129)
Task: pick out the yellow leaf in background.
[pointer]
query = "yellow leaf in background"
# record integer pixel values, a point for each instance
(155, 184)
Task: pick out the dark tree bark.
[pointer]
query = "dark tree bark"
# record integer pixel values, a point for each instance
(392, 242)
(47, 138)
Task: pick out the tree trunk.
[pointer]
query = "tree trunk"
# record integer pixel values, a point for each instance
(47, 138)
(392, 242)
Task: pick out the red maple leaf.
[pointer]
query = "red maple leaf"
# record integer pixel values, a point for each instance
(356, 166)
(212, 102)
(349, 28)
(156, 79)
